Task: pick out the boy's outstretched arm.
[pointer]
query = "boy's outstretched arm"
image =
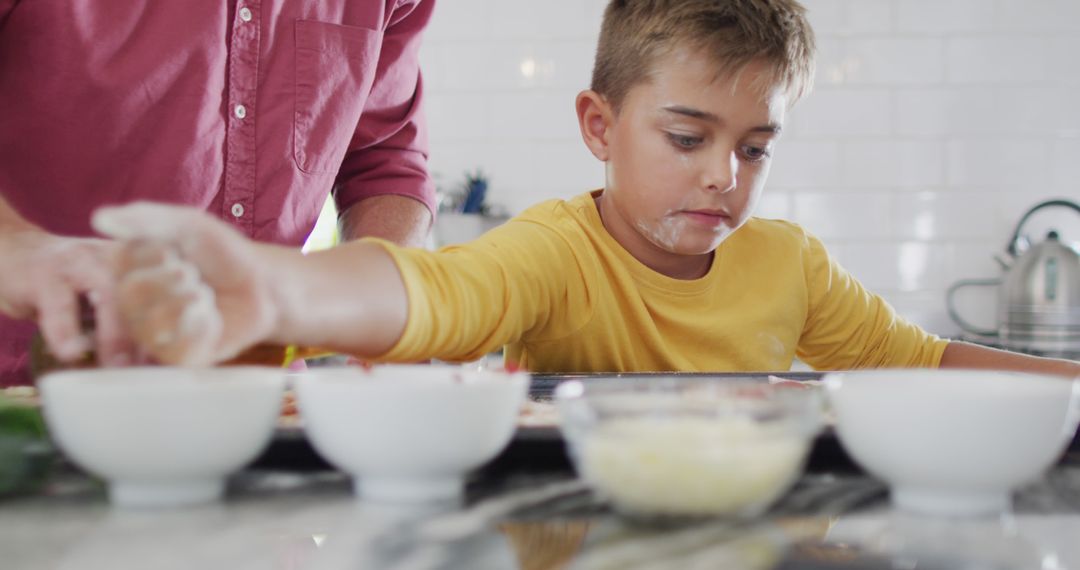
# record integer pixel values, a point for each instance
(967, 355)
(350, 298)
(193, 291)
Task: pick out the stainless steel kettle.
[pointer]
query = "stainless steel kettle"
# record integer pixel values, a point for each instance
(1038, 309)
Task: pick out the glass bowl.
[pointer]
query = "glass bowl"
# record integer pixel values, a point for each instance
(672, 448)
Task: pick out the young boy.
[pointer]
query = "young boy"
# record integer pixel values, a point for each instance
(663, 269)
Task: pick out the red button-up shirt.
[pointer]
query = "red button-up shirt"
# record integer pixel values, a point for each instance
(252, 109)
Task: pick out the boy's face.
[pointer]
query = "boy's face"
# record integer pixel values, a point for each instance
(686, 158)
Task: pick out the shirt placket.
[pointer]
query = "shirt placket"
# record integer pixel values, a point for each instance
(239, 191)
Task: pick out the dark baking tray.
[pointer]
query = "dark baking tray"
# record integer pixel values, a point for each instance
(543, 385)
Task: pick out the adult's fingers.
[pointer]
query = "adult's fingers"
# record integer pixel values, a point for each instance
(143, 289)
(140, 254)
(58, 318)
(114, 346)
(89, 271)
(170, 313)
(176, 331)
(76, 271)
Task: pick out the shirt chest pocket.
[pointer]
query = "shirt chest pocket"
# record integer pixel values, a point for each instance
(335, 67)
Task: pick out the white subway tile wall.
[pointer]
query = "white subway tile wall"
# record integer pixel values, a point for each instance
(934, 125)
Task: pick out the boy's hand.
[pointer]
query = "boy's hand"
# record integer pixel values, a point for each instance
(43, 276)
(190, 289)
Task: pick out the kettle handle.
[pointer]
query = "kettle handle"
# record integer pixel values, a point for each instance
(1019, 226)
(955, 315)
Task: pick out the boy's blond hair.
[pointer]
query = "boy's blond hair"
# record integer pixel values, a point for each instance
(636, 33)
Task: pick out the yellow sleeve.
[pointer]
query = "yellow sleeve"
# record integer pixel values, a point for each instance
(848, 327)
(468, 300)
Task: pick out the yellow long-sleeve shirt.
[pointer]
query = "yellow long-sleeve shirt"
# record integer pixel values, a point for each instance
(563, 296)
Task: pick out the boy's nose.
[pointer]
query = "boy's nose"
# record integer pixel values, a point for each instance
(721, 173)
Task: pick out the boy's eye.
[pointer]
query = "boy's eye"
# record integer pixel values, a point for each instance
(756, 153)
(684, 141)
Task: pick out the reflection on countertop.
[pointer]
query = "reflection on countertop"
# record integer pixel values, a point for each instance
(301, 521)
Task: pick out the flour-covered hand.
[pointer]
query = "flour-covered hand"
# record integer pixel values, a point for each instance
(189, 288)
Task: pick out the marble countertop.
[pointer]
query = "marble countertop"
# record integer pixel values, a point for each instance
(301, 521)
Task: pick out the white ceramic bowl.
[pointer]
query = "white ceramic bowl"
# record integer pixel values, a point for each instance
(953, 442)
(409, 433)
(162, 436)
(668, 447)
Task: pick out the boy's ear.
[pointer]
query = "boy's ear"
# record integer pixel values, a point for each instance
(595, 118)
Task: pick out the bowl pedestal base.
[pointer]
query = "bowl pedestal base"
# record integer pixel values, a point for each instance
(150, 494)
(409, 489)
(951, 502)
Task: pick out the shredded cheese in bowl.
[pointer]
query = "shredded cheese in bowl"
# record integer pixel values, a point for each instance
(663, 448)
(691, 466)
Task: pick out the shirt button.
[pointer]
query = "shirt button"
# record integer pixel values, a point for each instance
(240, 111)
(237, 210)
(245, 14)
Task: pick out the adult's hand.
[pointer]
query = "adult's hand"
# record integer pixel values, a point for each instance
(191, 290)
(43, 277)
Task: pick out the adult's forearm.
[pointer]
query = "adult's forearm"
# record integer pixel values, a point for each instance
(966, 355)
(398, 219)
(348, 299)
